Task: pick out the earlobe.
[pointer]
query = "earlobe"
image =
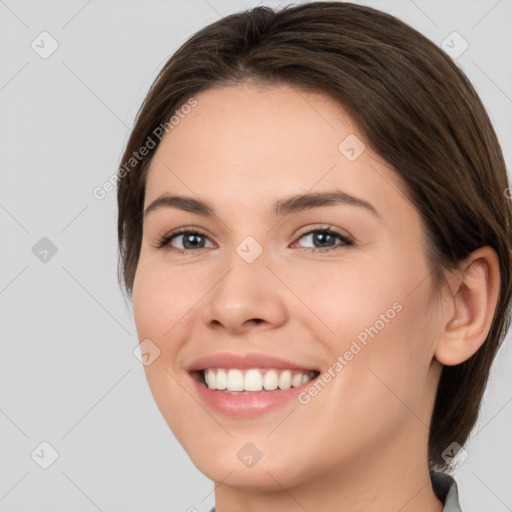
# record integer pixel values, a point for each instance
(470, 309)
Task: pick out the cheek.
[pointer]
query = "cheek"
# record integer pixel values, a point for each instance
(379, 325)
(345, 298)
(161, 300)
(160, 307)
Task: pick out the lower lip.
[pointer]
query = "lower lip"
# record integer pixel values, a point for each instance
(246, 405)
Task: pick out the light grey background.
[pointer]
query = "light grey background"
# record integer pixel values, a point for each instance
(68, 375)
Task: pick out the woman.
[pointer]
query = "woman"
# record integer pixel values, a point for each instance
(315, 230)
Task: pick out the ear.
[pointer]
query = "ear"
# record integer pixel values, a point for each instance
(469, 311)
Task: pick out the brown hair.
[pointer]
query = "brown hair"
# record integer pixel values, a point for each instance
(415, 108)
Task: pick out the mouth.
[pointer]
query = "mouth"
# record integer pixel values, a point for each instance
(247, 385)
(236, 381)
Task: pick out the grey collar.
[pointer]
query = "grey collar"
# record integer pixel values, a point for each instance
(446, 490)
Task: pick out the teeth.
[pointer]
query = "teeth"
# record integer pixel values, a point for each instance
(254, 379)
(285, 380)
(235, 380)
(221, 380)
(271, 380)
(297, 380)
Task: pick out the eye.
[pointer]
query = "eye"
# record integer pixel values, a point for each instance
(322, 237)
(192, 240)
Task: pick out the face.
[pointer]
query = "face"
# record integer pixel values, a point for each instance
(337, 289)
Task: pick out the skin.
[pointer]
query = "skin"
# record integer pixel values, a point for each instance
(361, 443)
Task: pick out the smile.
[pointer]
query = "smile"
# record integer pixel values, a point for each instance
(252, 380)
(245, 394)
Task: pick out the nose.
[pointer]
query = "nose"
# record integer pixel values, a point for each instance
(247, 296)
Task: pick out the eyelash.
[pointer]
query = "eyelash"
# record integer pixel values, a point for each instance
(163, 243)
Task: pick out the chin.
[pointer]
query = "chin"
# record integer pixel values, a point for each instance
(269, 473)
(257, 478)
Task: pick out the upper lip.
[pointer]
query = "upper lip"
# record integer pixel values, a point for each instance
(245, 360)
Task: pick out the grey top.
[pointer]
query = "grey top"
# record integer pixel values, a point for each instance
(445, 488)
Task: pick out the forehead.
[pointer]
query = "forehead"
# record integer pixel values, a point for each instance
(248, 143)
(246, 116)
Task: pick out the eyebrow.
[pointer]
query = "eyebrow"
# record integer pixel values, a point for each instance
(282, 207)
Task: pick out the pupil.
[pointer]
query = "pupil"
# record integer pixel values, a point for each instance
(188, 238)
(321, 237)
